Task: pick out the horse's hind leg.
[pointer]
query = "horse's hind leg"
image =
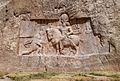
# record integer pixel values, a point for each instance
(75, 47)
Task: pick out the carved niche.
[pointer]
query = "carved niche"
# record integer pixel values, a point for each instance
(45, 37)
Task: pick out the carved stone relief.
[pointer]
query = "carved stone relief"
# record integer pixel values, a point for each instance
(59, 37)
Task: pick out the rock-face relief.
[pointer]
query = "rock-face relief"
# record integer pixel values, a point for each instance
(63, 36)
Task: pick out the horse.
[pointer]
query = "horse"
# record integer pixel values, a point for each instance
(60, 42)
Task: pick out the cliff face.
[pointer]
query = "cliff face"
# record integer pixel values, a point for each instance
(21, 21)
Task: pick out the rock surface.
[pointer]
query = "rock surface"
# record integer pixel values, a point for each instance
(23, 40)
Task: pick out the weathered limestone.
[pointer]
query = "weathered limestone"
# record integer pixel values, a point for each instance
(25, 43)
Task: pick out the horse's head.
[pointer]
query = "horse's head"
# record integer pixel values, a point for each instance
(54, 35)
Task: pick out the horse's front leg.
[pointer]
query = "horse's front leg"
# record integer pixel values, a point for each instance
(77, 50)
(57, 49)
(61, 48)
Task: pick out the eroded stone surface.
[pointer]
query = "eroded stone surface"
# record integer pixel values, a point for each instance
(24, 42)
